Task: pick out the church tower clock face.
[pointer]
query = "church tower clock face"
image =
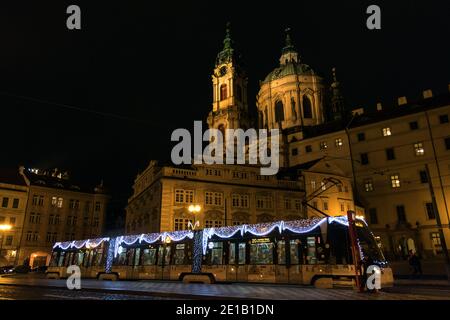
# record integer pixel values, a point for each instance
(223, 71)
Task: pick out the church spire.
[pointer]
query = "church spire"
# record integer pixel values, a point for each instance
(337, 99)
(227, 53)
(288, 53)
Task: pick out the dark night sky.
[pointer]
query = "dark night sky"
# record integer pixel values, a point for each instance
(150, 62)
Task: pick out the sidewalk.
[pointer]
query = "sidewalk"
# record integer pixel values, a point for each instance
(178, 290)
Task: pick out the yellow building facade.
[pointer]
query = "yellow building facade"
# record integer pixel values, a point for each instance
(58, 210)
(13, 203)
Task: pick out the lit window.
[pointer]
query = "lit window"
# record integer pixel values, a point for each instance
(60, 202)
(387, 132)
(54, 201)
(395, 181)
(323, 145)
(313, 185)
(339, 142)
(368, 185)
(418, 148)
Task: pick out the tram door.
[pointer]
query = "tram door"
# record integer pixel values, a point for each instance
(237, 270)
(163, 270)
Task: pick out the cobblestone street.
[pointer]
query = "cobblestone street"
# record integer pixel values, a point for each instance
(177, 290)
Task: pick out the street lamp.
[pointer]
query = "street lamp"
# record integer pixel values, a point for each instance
(3, 227)
(198, 238)
(194, 209)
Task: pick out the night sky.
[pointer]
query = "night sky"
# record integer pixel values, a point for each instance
(102, 101)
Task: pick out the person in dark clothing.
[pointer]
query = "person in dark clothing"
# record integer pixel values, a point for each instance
(414, 262)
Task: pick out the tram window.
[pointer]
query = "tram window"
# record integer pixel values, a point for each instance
(216, 253)
(68, 259)
(294, 251)
(122, 258)
(87, 261)
(261, 253)
(54, 260)
(130, 255)
(149, 257)
(98, 258)
(179, 254)
(232, 254)
(164, 255)
(241, 253)
(311, 250)
(79, 258)
(281, 250)
(61, 259)
(137, 256)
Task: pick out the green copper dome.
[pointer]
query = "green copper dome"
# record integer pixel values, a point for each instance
(288, 69)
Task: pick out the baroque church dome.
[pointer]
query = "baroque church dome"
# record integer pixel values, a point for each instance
(291, 96)
(290, 68)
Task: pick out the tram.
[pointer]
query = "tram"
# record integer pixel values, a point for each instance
(304, 251)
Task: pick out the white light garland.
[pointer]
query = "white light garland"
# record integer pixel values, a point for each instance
(78, 244)
(263, 229)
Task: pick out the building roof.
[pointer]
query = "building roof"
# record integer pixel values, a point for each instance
(369, 117)
(12, 176)
(57, 180)
(409, 108)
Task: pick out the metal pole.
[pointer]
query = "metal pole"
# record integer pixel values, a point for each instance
(355, 249)
(438, 168)
(438, 221)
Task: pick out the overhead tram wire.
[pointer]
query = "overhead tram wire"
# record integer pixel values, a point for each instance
(75, 108)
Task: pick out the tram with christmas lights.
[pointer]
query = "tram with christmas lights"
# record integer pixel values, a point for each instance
(308, 251)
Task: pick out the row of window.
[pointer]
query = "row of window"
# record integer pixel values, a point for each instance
(390, 154)
(386, 132)
(5, 203)
(394, 181)
(413, 125)
(12, 220)
(58, 202)
(186, 224)
(51, 237)
(279, 109)
(401, 213)
(237, 200)
(55, 219)
(323, 145)
(309, 250)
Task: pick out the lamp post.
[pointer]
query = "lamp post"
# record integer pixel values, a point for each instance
(198, 238)
(3, 228)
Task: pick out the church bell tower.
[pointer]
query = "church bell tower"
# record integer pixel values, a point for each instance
(229, 82)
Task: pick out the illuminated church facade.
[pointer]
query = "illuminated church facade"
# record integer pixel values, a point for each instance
(330, 159)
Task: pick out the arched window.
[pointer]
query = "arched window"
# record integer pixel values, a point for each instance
(307, 108)
(279, 112)
(223, 92)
